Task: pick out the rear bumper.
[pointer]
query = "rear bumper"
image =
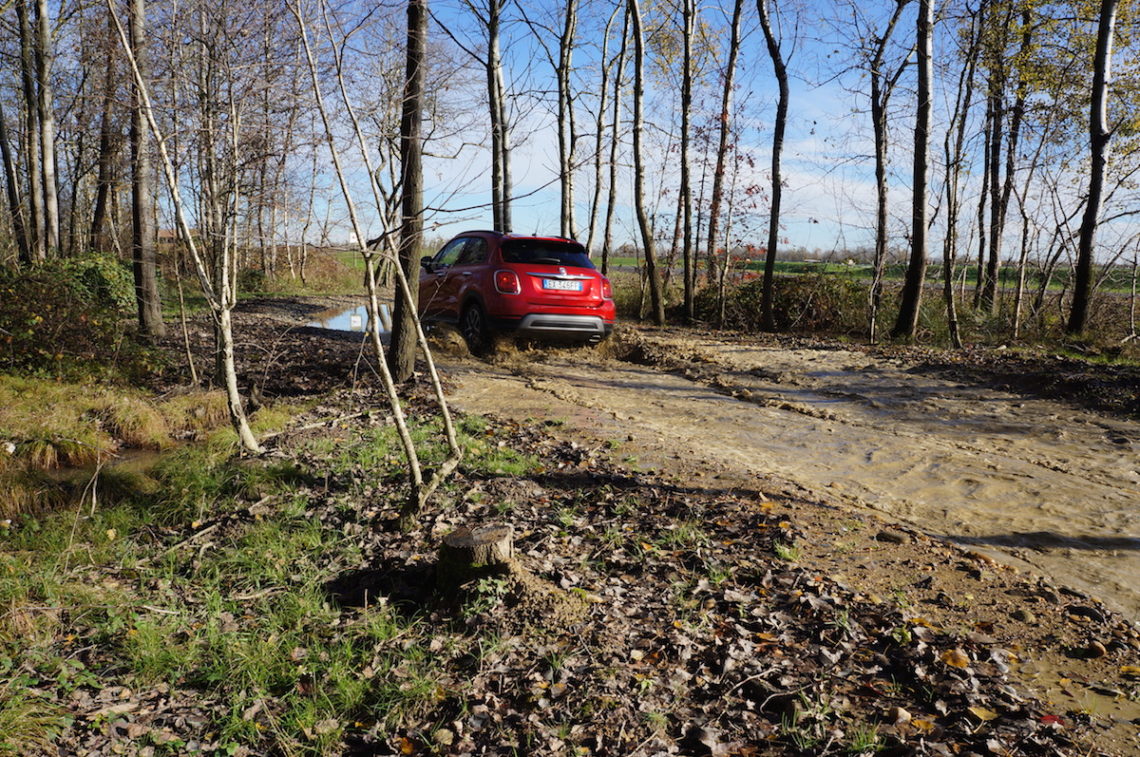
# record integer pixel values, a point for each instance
(552, 326)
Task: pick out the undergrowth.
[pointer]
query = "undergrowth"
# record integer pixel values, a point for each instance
(242, 617)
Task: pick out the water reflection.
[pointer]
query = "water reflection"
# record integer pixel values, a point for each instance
(351, 319)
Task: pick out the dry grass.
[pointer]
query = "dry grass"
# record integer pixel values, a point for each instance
(47, 425)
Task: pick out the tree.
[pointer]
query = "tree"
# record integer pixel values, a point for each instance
(883, 82)
(142, 197)
(220, 294)
(907, 321)
(685, 199)
(724, 122)
(779, 66)
(1099, 136)
(657, 304)
(403, 353)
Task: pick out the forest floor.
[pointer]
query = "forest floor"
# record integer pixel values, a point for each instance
(726, 545)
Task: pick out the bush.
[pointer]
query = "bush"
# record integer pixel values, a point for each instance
(103, 279)
(816, 304)
(65, 319)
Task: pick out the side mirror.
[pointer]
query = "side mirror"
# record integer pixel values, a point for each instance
(425, 262)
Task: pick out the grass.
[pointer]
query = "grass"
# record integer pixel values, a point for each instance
(247, 621)
(242, 616)
(88, 426)
(787, 552)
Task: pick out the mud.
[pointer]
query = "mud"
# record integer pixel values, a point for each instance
(1037, 482)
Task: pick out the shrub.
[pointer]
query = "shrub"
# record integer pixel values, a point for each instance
(817, 303)
(65, 319)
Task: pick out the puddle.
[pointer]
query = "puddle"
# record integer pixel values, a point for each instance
(351, 319)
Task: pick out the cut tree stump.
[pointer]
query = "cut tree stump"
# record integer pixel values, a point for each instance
(470, 553)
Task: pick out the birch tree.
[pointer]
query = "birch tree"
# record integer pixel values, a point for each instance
(222, 298)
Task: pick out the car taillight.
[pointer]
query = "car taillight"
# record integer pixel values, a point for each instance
(506, 282)
(607, 290)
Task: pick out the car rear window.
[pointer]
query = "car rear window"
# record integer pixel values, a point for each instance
(546, 252)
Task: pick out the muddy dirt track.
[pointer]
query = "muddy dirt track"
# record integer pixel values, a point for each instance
(1037, 482)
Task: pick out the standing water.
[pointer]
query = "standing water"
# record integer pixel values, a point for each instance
(351, 319)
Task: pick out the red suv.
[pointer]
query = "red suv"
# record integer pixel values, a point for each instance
(536, 287)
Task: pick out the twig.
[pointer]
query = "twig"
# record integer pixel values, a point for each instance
(160, 610)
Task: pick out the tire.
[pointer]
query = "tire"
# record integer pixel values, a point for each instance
(476, 330)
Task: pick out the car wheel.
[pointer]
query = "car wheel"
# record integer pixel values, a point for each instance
(476, 330)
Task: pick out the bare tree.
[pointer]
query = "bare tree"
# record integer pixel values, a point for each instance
(220, 299)
(142, 195)
(33, 135)
(12, 193)
(685, 198)
(403, 355)
(615, 141)
(724, 121)
(657, 303)
(883, 82)
(907, 321)
(46, 120)
(1099, 136)
(779, 66)
(600, 126)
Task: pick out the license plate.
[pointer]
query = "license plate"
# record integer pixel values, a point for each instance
(562, 285)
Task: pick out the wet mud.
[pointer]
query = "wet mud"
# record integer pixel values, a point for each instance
(1038, 482)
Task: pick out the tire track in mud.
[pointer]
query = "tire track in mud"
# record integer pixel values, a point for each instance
(962, 462)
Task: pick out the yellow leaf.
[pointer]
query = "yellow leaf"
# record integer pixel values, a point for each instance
(406, 746)
(925, 726)
(981, 713)
(955, 658)
(1130, 670)
(111, 534)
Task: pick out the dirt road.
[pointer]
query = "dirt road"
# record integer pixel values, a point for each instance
(1051, 487)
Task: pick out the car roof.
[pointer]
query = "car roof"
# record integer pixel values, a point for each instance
(515, 235)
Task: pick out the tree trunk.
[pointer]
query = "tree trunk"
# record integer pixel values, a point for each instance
(615, 141)
(723, 124)
(12, 193)
(767, 318)
(45, 106)
(142, 194)
(500, 145)
(657, 303)
(881, 88)
(1099, 136)
(600, 130)
(566, 120)
(907, 322)
(402, 356)
(689, 12)
(956, 131)
(32, 135)
(108, 147)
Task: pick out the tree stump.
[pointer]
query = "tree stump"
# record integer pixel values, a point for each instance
(470, 553)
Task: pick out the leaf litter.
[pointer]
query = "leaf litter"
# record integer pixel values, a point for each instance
(643, 617)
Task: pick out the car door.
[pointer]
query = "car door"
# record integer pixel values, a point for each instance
(468, 272)
(433, 280)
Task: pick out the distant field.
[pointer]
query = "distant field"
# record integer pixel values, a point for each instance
(1119, 279)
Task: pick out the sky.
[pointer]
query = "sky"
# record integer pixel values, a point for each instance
(827, 168)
